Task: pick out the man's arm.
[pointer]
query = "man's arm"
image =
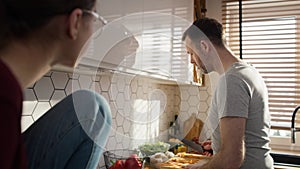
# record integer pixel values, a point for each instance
(232, 152)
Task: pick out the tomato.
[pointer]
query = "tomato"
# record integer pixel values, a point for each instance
(133, 163)
(119, 164)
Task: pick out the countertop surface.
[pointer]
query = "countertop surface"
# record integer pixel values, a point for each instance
(278, 166)
(286, 159)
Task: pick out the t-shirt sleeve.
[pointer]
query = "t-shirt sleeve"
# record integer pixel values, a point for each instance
(234, 96)
(9, 132)
(12, 153)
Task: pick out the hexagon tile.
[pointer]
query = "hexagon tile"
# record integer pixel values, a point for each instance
(59, 80)
(44, 89)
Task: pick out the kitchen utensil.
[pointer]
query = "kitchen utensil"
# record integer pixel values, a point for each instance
(193, 145)
(190, 143)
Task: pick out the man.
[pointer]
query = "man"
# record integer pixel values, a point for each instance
(239, 116)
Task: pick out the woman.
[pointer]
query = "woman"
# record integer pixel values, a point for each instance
(34, 36)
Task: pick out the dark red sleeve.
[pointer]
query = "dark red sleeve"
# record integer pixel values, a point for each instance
(12, 154)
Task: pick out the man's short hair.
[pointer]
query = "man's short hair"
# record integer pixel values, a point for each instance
(205, 28)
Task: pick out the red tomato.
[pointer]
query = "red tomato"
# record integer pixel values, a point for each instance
(134, 156)
(133, 163)
(119, 164)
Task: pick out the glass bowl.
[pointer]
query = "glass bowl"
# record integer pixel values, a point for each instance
(111, 156)
(149, 149)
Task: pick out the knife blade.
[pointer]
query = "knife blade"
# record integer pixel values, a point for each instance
(193, 145)
(190, 143)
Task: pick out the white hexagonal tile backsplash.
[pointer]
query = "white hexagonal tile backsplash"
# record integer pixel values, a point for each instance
(134, 103)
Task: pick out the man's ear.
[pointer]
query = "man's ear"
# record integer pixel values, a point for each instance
(204, 46)
(74, 23)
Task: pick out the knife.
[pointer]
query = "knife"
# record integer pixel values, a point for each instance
(193, 145)
(190, 143)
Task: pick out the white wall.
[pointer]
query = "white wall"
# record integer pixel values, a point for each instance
(214, 9)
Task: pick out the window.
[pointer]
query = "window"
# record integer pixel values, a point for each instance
(266, 33)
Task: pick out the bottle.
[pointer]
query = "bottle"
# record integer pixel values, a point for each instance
(171, 129)
(176, 125)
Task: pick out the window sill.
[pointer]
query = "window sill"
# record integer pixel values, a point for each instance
(287, 152)
(284, 144)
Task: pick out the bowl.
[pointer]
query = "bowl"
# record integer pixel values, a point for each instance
(149, 149)
(111, 156)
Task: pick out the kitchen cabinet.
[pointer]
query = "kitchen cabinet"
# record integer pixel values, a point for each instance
(142, 38)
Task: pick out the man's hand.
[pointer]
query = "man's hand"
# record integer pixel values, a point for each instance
(206, 146)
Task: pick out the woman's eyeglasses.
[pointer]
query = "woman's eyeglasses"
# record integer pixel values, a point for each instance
(99, 20)
(96, 15)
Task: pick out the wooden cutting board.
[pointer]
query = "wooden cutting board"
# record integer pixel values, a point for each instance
(192, 127)
(181, 162)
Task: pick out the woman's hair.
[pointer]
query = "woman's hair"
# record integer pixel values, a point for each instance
(206, 28)
(20, 18)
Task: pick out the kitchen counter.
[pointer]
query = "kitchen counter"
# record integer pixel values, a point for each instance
(283, 166)
(284, 159)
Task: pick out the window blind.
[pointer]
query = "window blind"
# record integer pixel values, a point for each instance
(268, 37)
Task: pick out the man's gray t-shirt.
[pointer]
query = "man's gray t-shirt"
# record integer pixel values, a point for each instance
(241, 92)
